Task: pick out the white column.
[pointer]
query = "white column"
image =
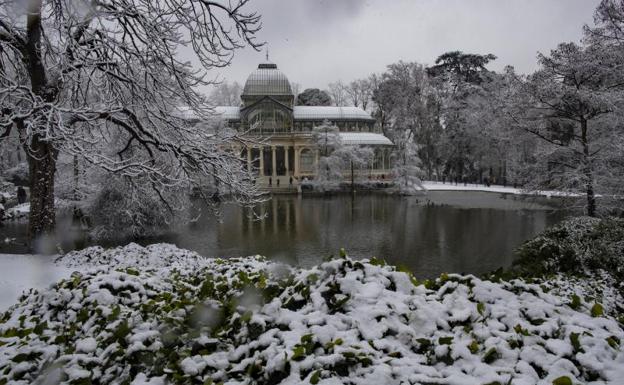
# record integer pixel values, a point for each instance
(297, 164)
(383, 158)
(316, 158)
(261, 162)
(273, 162)
(286, 160)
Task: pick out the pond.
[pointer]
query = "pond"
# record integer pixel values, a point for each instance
(461, 232)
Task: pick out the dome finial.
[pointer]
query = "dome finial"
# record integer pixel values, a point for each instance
(267, 54)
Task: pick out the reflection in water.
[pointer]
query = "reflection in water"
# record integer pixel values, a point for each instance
(442, 232)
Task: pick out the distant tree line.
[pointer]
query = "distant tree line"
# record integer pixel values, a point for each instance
(559, 128)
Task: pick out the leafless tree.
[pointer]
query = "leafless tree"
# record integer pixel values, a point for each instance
(338, 93)
(226, 94)
(359, 92)
(102, 80)
(296, 88)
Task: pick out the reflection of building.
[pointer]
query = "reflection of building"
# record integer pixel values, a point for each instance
(287, 154)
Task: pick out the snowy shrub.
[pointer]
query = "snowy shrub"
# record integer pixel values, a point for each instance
(160, 315)
(8, 193)
(19, 175)
(580, 246)
(131, 210)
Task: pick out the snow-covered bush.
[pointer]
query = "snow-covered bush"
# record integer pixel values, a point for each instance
(133, 209)
(8, 191)
(18, 175)
(580, 246)
(160, 315)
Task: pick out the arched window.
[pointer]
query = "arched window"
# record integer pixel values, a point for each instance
(267, 118)
(378, 159)
(306, 161)
(387, 155)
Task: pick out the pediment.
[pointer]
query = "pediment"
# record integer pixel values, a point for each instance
(262, 103)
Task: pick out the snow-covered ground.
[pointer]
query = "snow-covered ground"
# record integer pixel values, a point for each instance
(17, 212)
(439, 186)
(164, 315)
(20, 272)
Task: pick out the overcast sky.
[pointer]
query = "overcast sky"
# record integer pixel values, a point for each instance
(315, 42)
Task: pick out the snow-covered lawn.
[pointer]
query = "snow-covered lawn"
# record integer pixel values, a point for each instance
(22, 272)
(164, 315)
(439, 186)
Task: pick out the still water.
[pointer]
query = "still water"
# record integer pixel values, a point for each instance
(463, 232)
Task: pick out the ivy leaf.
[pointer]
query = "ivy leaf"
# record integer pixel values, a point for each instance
(298, 353)
(563, 380)
(596, 310)
(576, 344)
(613, 341)
(40, 328)
(316, 376)
(491, 356)
(445, 340)
(576, 302)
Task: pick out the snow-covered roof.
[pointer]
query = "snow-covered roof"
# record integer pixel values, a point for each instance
(225, 112)
(330, 113)
(228, 112)
(364, 138)
(299, 113)
(267, 80)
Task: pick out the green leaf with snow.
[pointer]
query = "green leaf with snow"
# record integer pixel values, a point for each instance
(576, 302)
(491, 355)
(596, 310)
(613, 341)
(316, 377)
(377, 262)
(518, 329)
(576, 344)
(39, 329)
(299, 353)
(445, 340)
(563, 380)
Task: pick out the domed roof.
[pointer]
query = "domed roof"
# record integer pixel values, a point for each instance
(267, 80)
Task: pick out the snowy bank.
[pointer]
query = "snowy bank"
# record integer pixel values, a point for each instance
(17, 212)
(439, 186)
(581, 246)
(164, 315)
(20, 272)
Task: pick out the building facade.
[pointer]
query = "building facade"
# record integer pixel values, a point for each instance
(286, 155)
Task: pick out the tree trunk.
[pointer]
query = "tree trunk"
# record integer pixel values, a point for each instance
(352, 179)
(76, 179)
(587, 169)
(42, 164)
(40, 153)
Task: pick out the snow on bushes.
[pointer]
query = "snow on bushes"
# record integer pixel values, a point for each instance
(160, 315)
(584, 255)
(580, 246)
